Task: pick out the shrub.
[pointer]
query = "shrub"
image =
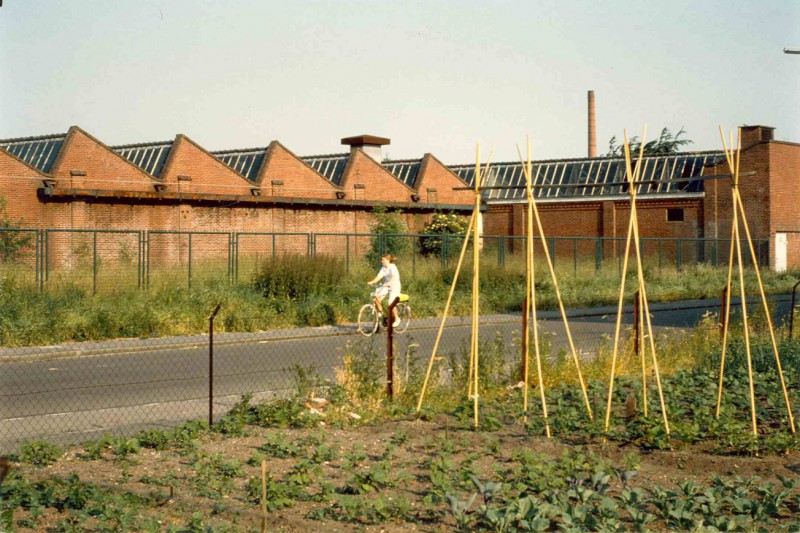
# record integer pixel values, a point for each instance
(430, 244)
(389, 234)
(297, 276)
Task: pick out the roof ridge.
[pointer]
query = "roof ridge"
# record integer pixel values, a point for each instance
(239, 150)
(342, 154)
(586, 159)
(35, 138)
(141, 145)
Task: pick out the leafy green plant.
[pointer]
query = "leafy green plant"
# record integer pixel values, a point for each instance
(40, 453)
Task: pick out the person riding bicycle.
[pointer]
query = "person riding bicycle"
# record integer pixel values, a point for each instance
(390, 286)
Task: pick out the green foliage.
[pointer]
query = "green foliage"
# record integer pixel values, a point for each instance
(667, 143)
(389, 235)
(298, 277)
(40, 453)
(13, 244)
(441, 225)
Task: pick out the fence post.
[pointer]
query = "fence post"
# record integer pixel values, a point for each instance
(678, 254)
(190, 260)
(501, 251)
(553, 250)
(636, 330)
(791, 311)
(575, 256)
(211, 365)
(390, 349)
(94, 263)
(723, 312)
(347, 254)
(598, 254)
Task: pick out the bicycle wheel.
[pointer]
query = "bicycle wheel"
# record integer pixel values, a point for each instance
(367, 320)
(404, 313)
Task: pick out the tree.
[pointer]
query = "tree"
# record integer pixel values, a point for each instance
(12, 243)
(667, 143)
(441, 224)
(389, 234)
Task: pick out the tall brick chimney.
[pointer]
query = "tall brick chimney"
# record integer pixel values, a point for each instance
(370, 144)
(592, 128)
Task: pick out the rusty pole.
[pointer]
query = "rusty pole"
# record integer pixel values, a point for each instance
(211, 364)
(390, 349)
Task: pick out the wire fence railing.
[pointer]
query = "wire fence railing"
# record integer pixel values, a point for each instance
(119, 259)
(81, 391)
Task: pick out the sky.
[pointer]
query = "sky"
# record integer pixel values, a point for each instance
(436, 77)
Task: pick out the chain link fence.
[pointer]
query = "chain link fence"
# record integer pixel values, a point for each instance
(117, 259)
(81, 391)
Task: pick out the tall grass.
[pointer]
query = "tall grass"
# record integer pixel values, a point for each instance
(300, 291)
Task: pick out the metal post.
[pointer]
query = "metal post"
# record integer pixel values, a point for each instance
(791, 311)
(94, 263)
(575, 256)
(190, 260)
(211, 364)
(273, 246)
(46, 258)
(147, 259)
(598, 254)
(553, 250)
(390, 349)
(501, 251)
(414, 255)
(347, 253)
(678, 254)
(636, 330)
(714, 251)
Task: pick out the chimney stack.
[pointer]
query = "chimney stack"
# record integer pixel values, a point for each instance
(370, 144)
(592, 128)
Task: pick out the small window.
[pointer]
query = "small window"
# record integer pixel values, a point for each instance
(675, 214)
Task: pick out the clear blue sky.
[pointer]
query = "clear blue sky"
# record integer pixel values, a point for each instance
(433, 76)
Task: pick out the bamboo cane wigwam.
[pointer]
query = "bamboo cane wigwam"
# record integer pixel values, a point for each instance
(530, 297)
(472, 230)
(633, 238)
(733, 159)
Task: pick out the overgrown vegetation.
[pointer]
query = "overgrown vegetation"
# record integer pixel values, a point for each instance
(338, 456)
(388, 235)
(290, 291)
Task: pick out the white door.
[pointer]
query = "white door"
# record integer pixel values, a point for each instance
(780, 252)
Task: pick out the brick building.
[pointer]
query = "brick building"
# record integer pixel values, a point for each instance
(73, 181)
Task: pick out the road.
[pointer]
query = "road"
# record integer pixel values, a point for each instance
(79, 391)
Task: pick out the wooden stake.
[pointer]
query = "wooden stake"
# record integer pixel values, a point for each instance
(263, 496)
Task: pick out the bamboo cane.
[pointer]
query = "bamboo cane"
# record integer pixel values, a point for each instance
(767, 313)
(528, 170)
(641, 343)
(725, 325)
(446, 310)
(619, 316)
(531, 284)
(640, 277)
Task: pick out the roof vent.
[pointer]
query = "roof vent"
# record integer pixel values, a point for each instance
(370, 144)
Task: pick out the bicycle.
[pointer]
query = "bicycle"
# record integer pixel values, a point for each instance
(370, 319)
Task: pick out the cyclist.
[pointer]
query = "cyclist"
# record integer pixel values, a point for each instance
(390, 286)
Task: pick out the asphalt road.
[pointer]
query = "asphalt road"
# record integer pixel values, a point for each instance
(79, 391)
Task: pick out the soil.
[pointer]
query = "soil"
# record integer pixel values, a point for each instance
(663, 468)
